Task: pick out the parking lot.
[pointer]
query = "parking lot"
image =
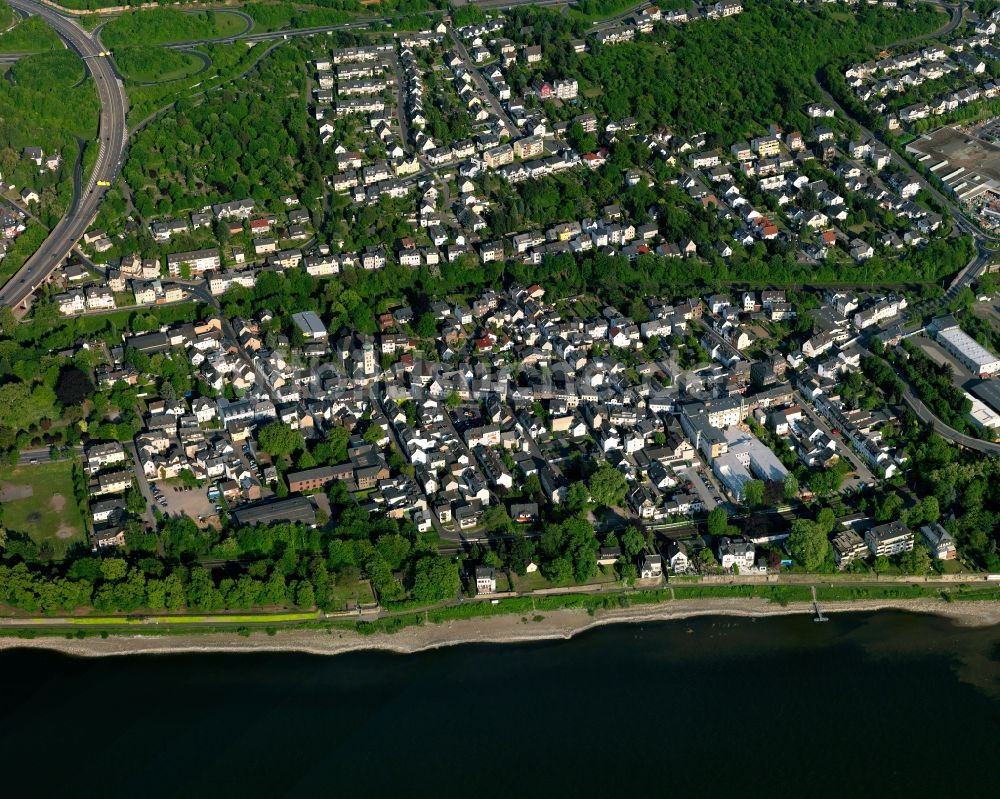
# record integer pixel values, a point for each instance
(703, 487)
(179, 500)
(939, 355)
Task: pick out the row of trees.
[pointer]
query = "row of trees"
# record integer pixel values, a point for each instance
(113, 585)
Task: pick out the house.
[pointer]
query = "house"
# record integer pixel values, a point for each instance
(677, 558)
(198, 261)
(486, 580)
(650, 566)
(727, 8)
(940, 541)
(736, 554)
(608, 556)
(101, 455)
(35, 154)
(524, 513)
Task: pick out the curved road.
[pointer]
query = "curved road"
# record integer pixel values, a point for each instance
(112, 141)
(924, 414)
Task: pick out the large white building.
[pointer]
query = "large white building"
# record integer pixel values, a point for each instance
(969, 352)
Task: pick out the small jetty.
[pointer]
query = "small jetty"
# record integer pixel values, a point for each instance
(819, 612)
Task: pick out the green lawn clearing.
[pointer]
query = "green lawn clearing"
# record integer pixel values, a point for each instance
(38, 500)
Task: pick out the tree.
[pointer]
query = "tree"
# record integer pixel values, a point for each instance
(113, 569)
(73, 386)
(278, 438)
(517, 553)
(21, 406)
(425, 326)
(374, 434)
(808, 544)
(435, 578)
(927, 511)
(890, 508)
(276, 589)
(305, 594)
(916, 561)
(825, 520)
(577, 497)
(333, 449)
(718, 521)
(134, 500)
(394, 548)
(790, 486)
(496, 519)
(631, 544)
(753, 493)
(607, 486)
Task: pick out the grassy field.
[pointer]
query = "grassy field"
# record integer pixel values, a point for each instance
(155, 64)
(38, 500)
(349, 594)
(245, 618)
(842, 593)
(535, 581)
(775, 593)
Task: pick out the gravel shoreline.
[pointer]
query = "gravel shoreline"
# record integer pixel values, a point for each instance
(553, 625)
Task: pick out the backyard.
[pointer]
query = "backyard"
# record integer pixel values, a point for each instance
(38, 500)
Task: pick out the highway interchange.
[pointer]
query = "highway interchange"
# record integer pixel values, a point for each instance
(112, 139)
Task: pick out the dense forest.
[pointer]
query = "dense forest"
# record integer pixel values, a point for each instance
(162, 25)
(32, 35)
(728, 77)
(252, 139)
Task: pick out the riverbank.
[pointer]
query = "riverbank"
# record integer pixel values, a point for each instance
(552, 625)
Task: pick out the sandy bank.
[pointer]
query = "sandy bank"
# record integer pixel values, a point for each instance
(559, 624)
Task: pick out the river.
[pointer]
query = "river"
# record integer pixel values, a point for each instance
(887, 704)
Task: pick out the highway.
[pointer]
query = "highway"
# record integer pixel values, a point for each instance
(112, 141)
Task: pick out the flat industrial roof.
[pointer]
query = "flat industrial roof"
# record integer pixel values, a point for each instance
(988, 391)
(309, 323)
(968, 347)
(295, 509)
